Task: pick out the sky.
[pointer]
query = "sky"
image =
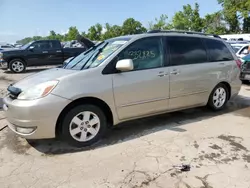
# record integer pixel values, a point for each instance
(24, 18)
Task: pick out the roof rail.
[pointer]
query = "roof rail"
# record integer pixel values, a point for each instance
(183, 32)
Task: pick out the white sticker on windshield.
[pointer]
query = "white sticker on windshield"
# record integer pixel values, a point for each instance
(120, 42)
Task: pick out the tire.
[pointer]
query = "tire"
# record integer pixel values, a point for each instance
(223, 95)
(17, 66)
(81, 133)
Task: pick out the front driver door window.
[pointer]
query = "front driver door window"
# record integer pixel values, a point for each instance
(144, 90)
(41, 53)
(145, 53)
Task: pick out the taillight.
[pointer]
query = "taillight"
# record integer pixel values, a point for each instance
(238, 62)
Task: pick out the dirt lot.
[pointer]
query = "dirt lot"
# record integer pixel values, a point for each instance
(141, 153)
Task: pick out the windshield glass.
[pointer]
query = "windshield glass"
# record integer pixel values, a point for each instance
(96, 55)
(26, 46)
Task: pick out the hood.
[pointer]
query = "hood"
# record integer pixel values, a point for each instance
(12, 51)
(43, 76)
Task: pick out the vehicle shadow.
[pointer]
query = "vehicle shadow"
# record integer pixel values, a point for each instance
(240, 106)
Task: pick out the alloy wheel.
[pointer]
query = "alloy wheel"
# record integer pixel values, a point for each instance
(84, 126)
(219, 97)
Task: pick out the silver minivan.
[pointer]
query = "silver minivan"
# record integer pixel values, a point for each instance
(121, 79)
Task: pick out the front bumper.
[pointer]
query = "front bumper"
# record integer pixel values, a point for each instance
(34, 119)
(3, 64)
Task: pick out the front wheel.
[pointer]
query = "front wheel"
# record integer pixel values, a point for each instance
(218, 98)
(84, 125)
(17, 66)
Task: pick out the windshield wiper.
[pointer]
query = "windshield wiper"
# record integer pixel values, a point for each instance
(93, 47)
(86, 52)
(95, 54)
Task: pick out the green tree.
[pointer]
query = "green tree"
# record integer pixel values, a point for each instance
(111, 31)
(131, 26)
(246, 25)
(95, 32)
(52, 35)
(214, 24)
(72, 34)
(188, 19)
(25, 40)
(234, 12)
(160, 23)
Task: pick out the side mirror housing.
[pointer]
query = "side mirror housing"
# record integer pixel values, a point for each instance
(31, 48)
(125, 65)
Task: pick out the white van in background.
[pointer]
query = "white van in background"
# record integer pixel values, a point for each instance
(236, 37)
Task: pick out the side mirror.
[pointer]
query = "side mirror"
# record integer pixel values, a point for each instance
(125, 65)
(31, 48)
(245, 51)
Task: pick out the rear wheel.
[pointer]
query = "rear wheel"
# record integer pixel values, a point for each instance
(17, 66)
(218, 98)
(84, 125)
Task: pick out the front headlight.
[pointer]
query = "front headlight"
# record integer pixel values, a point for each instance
(38, 91)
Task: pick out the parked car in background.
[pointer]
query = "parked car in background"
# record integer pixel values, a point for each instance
(6, 47)
(37, 53)
(243, 51)
(240, 47)
(236, 37)
(121, 79)
(245, 69)
(18, 45)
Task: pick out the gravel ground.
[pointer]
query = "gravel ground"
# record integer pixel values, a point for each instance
(140, 153)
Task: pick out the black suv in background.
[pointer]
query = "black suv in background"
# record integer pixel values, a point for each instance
(40, 53)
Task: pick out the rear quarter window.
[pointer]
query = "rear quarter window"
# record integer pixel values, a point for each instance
(218, 51)
(56, 45)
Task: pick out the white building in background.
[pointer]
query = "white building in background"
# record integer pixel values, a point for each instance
(236, 37)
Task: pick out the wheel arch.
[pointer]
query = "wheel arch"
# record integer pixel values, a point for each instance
(13, 58)
(85, 100)
(228, 88)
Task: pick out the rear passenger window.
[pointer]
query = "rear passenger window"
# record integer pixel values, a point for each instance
(218, 51)
(56, 45)
(186, 50)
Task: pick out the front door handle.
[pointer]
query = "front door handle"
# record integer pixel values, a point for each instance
(175, 72)
(45, 52)
(58, 51)
(161, 74)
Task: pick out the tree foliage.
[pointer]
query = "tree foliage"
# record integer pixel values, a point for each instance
(234, 12)
(188, 19)
(215, 24)
(233, 18)
(160, 23)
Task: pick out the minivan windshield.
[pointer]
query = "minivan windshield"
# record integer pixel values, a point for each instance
(96, 55)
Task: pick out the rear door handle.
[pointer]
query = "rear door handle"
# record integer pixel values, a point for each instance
(175, 72)
(221, 63)
(45, 52)
(58, 51)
